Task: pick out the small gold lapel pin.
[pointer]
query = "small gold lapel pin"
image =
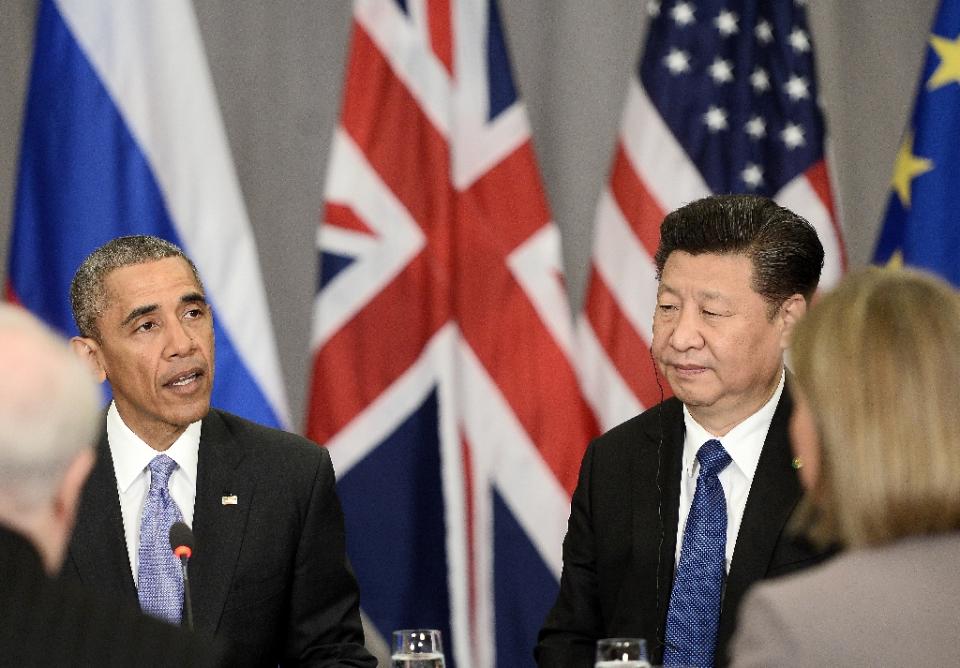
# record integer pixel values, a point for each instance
(797, 464)
(228, 500)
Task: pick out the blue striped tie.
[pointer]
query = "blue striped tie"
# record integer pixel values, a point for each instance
(694, 613)
(159, 579)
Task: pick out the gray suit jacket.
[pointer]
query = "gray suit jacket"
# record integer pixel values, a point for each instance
(618, 555)
(269, 575)
(897, 605)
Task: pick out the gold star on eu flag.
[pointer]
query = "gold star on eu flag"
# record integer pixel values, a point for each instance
(948, 70)
(907, 168)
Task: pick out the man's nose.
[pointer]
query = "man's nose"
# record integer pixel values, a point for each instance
(686, 332)
(180, 339)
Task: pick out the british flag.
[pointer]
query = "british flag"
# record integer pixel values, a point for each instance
(725, 100)
(442, 378)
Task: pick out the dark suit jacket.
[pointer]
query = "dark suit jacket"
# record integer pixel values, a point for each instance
(47, 622)
(618, 555)
(269, 574)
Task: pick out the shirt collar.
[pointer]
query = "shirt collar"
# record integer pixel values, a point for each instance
(743, 443)
(131, 455)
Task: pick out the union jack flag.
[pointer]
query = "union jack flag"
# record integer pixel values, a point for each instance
(725, 100)
(442, 382)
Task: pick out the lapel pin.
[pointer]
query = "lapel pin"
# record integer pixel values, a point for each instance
(230, 500)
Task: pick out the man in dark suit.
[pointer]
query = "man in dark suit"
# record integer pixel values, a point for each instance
(680, 509)
(269, 572)
(48, 424)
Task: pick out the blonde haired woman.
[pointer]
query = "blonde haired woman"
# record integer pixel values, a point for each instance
(876, 431)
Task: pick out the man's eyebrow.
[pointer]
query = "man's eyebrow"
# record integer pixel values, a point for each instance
(713, 295)
(189, 298)
(139, 311)
(193, 298)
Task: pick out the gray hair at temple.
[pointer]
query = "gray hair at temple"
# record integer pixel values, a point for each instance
(88, 297)
(783, 247)
(49, 410)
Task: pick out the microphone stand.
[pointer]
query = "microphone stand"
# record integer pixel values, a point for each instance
(187, 605)
(181, 542)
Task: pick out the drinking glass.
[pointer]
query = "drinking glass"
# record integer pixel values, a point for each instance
(622, 653)
(417, 648)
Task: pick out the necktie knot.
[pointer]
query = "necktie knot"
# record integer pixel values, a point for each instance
(712, 457)
(161, 468)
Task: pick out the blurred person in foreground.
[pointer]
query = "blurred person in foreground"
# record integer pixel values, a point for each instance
(876, 427)
(680, 509)
(269, 573)
(49, 411)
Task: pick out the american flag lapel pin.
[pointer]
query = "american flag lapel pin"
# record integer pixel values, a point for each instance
(228, 500)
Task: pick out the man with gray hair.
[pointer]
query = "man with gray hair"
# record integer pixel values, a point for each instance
(269, 572)
(49, 416)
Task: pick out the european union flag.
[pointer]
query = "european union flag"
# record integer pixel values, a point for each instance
(922, 225)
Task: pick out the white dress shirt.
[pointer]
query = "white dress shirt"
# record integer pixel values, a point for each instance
(743, 443)
(131, 456)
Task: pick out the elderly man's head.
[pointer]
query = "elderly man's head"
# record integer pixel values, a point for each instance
(49, 407)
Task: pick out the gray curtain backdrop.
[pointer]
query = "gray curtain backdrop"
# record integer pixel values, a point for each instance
(278, 68)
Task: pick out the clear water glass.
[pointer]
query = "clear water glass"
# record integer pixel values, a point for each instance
(417, 648)
(622, 653)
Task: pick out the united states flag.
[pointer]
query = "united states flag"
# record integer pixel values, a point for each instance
(725, 100)
(442, 382)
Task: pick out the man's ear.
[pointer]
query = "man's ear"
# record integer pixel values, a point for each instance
(88, 350)
(792, 310)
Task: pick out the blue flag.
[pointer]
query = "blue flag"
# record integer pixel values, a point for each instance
(922, 227)
(122, 135)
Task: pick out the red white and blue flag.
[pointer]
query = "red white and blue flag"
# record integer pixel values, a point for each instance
(122, 135)
(442, 382)
(725, 100)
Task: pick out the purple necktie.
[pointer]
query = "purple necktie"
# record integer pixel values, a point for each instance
(694, 613)
(159, 580)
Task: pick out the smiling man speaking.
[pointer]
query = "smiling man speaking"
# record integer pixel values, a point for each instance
(269, 574)
(679, 510)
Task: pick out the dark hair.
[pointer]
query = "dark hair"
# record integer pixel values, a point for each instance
(87, 295)
(783, 247)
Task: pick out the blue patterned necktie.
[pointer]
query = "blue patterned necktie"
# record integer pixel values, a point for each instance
(694, 613)
(159, 579)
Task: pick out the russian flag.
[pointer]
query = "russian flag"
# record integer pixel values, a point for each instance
(122, 135)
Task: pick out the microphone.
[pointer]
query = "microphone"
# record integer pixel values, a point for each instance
(181, 542)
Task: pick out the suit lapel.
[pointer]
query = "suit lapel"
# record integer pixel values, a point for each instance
(218, 524)
(647, 581)
(98, 547)
(773, 495)
(670, 472)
